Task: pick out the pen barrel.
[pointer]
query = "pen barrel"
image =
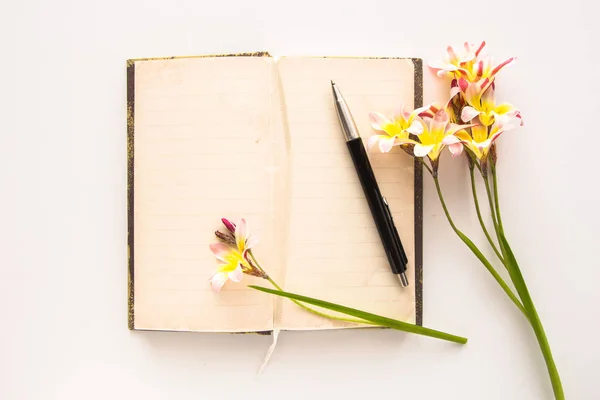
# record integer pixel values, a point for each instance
(379, 207)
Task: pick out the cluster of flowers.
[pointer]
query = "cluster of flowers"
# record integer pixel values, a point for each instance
(470, 119)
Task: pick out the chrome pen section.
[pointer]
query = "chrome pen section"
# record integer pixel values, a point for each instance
(344, 115)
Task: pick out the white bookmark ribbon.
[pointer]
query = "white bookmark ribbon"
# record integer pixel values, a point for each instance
(269, 351)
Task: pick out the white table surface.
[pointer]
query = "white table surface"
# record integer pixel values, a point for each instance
(63, 226)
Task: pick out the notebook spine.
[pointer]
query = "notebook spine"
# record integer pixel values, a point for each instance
(418, 210)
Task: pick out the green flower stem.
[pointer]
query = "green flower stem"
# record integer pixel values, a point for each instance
(485, 231)
(488, 190)
(495, 181)
(307, 308)
(521, 286)
(477, 252)
(374, 318)
(426, 166)
(535, 321)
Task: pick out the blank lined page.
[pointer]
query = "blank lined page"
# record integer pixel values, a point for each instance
(335, 253)
(202, 151)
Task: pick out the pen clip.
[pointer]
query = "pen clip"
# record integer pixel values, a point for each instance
(387, 207)
(398, 242)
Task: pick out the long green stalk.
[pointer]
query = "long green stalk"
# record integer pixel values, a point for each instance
(480, 218)
(496, 196)
(374, 318)
(488, 190)
(521, 286)
(535, 321)
(477, 252)
(304, 306)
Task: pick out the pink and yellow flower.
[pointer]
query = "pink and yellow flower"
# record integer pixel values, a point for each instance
(480, 141)
(394, 131)
(469, 64)
(457, 63)
(232, 255)
(483, 105)
(430, 125)
(231, 265)
(435, 129)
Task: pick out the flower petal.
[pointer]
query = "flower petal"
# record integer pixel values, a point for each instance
(251, 241)
(220, 250)
(373, 140)
(486, 83)
(468, 113)
(504, 120)
(456, 149)
(479, 68)
(463, 84)
(399, 113)
(473, 93)
(488, 98)
(218, 280)
(386, 144)
(484, 146)
(421, 150)
(454, 90)
(419, 110)
(438, 64)
(439, 122)
(450, 140)
(469, 56)
(452, 54)
(495, 136)
(512, 122)
(237, 274)
(416, 128)
(429, 111)
(480, 133)
(463, 136)
(378, 121)
(481, 46)
(486, 119)
(241, 234)
(505, 108)
(400, 141)
(502, 65)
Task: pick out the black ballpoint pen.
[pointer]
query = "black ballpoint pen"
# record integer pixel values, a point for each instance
(380, 209)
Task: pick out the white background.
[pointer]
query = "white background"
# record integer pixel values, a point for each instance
(63, 212)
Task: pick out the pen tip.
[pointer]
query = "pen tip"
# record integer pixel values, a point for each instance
(332, 83)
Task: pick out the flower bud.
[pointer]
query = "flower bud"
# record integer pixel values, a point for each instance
(228, 224)
(226, 237)
(493, 154)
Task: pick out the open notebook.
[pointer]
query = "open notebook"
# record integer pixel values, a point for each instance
(257, 137)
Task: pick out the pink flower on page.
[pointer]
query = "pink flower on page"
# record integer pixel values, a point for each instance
(231, 265)
(232, 254)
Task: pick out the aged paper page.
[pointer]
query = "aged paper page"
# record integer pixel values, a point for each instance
(203, 137)
(334, 251)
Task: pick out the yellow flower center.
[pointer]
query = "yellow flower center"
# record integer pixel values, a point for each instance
(397, 128)
(232, 260)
